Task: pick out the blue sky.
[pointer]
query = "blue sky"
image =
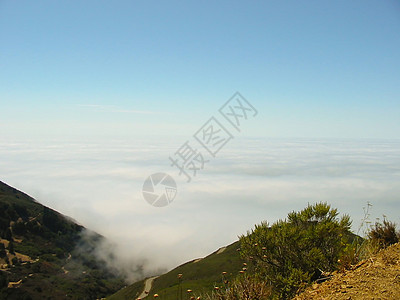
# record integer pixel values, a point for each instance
(83, 82)
(311, 68)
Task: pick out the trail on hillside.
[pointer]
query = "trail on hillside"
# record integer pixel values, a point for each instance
(220, 250)
(148, 284)
(374, 278)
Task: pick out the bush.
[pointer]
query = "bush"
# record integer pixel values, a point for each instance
(293, 252)
(352, 254)
(15, 261)
(243, 287)
(8, 234)
(3, 279)
(384, 234)
(3, 252)
(11, 247)
(19, 228)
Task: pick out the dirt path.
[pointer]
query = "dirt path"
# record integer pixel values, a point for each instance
(220, 250)
(66, 261)
(147, 287)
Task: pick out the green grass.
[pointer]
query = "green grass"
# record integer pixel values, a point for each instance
(201, 276)
(130, 292)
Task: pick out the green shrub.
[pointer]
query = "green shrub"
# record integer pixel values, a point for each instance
(243, 287)
(293, 252)
(3, 279)
(3, 252)
(384, 234)
(11, 247)
(352, 254)
(15, 261)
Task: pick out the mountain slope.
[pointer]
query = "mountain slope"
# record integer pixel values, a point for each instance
(45, 255)
(375, 278)
(199, 275)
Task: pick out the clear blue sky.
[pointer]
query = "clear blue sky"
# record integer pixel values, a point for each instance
(311, 68)
(72, 70)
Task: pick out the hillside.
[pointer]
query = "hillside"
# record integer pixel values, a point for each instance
(199, 275)
(286, 256)
(45, 255)
(375, 278)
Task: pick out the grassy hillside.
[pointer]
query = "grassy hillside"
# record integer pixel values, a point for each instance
(197, 275)
(130, 292)
(44, 255)
(274, 261)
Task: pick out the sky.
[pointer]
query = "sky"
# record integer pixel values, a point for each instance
(312, 68)
(97, 95)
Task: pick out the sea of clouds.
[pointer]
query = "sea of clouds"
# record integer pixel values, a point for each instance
(98, 183)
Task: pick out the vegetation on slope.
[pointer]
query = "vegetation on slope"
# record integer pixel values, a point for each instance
(130, 292)
(308, 247)
(274, 262)
(44, 255)
(198, 276)
(293, 252)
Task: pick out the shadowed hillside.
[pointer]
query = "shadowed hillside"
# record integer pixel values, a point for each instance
(45, 255)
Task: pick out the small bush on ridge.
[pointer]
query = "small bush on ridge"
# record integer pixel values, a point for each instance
(293, 252)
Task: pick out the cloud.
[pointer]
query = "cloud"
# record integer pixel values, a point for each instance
(251, 180)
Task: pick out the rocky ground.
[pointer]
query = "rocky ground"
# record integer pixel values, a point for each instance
(375, 278)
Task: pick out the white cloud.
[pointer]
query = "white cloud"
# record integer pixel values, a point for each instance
(99, 184)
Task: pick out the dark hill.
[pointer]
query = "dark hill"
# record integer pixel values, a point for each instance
(45, 255)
